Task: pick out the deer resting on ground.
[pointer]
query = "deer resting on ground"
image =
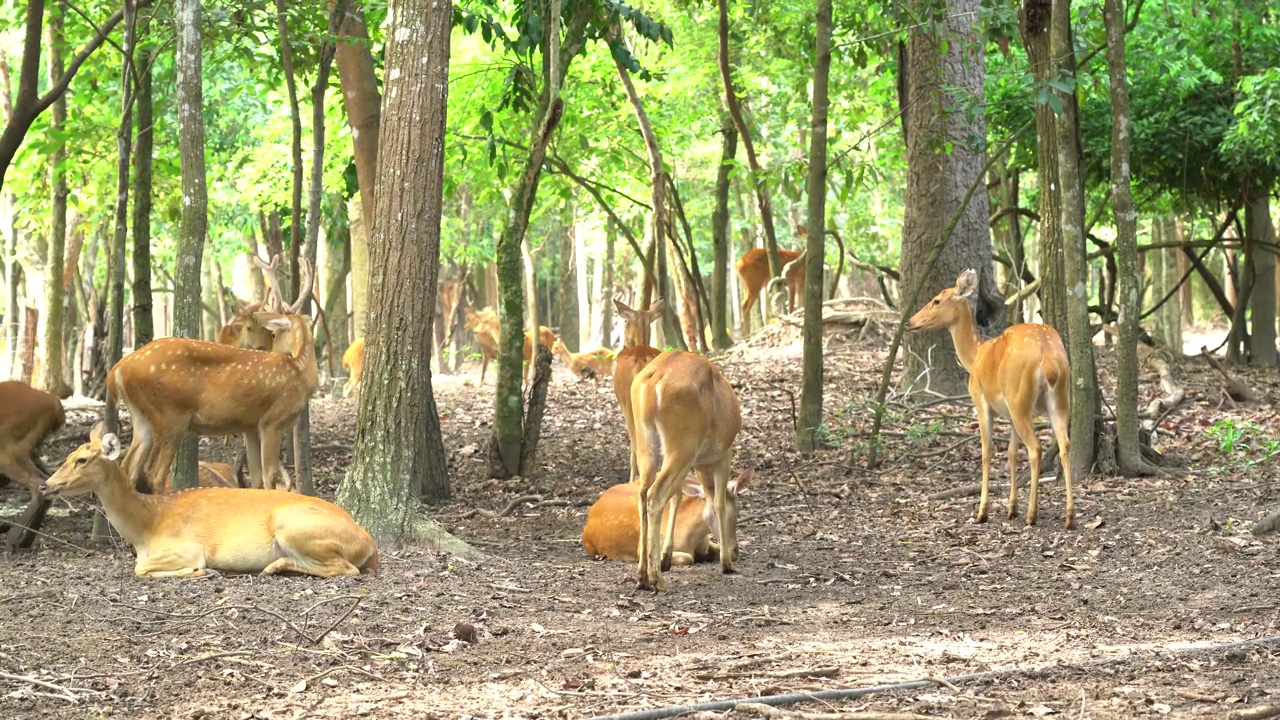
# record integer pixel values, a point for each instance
(176, 385)
(232, 529)
(599, 361)
(686, 419)
(1018, 374)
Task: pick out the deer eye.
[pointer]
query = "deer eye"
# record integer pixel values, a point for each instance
(81, 461)
(936, 301)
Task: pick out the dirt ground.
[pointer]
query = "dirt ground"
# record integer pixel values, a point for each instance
(849, 578)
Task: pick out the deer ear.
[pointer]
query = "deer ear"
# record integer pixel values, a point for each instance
(658, 306)
(693, 486)
(95, 433)
(967, 283)
(740, 483)
(274, 322)
(623, 310)
(110, 446)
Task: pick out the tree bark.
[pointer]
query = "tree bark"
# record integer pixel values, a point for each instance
(758, 179)
(399, 451)
(721, 242)
(1035, 21)
(337, 266)
(295, 148)
(360, 97)
(119, 236)
(53, 378)
(1084, 377)
(1262, 266)
(807, 438)
(359, 232)
(572, 287)
(1128, 447)
(582, 296)
(607, 284)
(195, 203)
(143, 323)
(937, 182)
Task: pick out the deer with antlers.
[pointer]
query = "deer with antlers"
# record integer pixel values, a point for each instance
(177, 385)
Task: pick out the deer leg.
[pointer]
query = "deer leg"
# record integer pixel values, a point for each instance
(669, 536)
(746, 311)
(630, 423)
(161, 464)
(253, 456)
(1024, 429)
(728, 521)
(1013, 473)
(22, 532)
(182, 561)
(270, 456)
(1058, 417)
(984, 430)
(646, 550)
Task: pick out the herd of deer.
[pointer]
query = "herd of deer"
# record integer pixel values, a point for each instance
(681, 417)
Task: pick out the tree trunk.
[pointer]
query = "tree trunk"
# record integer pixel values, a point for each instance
(1186, 302)
(195, 203)
(336, 267)
(209, 302)
(937, 182)
(399, 451)
(1084, 377)
(607, 284)
(360, 97)
(658, 214)
(721, 242)
(1128, 447)
(807, 439)
(115, 253)
(570, 287)
(1262, 266)
(143, 323)
(581, 293)
(52, 377)
(1035, 19)
(359, 232)
(758, 179)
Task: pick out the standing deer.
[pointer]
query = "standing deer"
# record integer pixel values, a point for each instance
(353, 362)
(1019, 373)
(753, 268)
(27, 417)
(630, 361)
(686, 418)
(175, 385)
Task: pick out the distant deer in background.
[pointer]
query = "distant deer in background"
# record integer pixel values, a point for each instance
(175, 385)
(753, 268)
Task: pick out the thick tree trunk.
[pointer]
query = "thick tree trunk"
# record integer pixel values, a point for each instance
(758, 179)
(143, 323)
(399, 451)
(937, 182)
(195, 203)
(1035, 19)
(1084, 377)
(52, 377)
(1128, 447)
(807, 438)
(1262, 266)
(721, 242)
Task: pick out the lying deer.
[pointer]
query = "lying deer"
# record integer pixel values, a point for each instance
(613, 526)
(232, 529)
(753, 268)
(599, 361)
(27, 417)
(630, 361)
(175, 385)
(353, 361)
(686, 419)
(1018, 374)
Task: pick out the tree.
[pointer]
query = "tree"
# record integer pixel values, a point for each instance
(811, 394)
(195, 202)
(720, 240)
(53, 378)
(143, 323)
(1128, 447)
(1070, 186)
(943, 106)
(399, 451)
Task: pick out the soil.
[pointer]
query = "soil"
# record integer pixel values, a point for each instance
(849, 578)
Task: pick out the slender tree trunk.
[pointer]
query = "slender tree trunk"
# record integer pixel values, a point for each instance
(399, 451)
(337, 266)
(52, 378)
(607, 284)
(582, 297)
(941, 59)
(295, 116)
(1262, 266)
(721, 242)
(1084, 377)
(360, 97)
(115, 254)
(758, 179)
(1128, 449)
(810, 419)
(572, 287)
(359, 232)
(195, 203)
(143, 324)
(1186, 302)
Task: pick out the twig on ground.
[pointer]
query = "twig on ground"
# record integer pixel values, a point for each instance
(65, 694)
(831, 671)
(510, 508)
(772, 712)
(1259, 712)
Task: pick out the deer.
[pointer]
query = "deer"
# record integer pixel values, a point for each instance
(244, 331)
(484, 324)
(353, 361)
(1018, 374)
(546, 337)
(630, 361)
(175, 385)
(215, 474)
(686, 419)
(598, 362)
(27, 417)
(753, 268)
(613, 526)
(192, 531)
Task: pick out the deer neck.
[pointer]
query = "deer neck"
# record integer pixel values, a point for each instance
(964, 334)
(304, 354)
(131, 513)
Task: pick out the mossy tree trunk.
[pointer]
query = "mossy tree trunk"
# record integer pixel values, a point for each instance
(721, 242)
(810, 419)
(53, 378)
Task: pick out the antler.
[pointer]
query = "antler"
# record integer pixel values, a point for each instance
(270, 270)
(304, 286)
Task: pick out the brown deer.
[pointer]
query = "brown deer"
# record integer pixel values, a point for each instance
(353, 362)
(630, 361)
(27, 417)
(599, 361)
(175, 385)
(753, 268)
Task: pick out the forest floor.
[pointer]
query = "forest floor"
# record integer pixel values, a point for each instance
(849, 578)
